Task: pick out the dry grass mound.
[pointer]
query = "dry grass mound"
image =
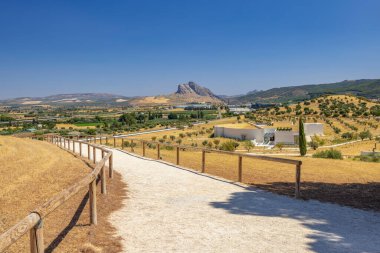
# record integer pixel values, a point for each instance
(34, 171)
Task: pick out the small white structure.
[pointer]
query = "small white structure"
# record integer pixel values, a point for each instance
(312, 129)
(268, 136)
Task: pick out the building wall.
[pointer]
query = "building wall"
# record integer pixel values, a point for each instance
(285, 137)
(312, 129)
(239, 133)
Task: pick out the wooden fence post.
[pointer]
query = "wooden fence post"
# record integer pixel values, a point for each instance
(132, 149)
(298, 181)
(177, 155)
(122, 143)
(88, 151)
(37, 238)
(103, 180)
(92, 196)
(73, 146)
(203, 161)
(158, 152)
(240, 168)
(94, 153)
(80, 148)
(114, 142)
(110, 165)
(100, 140)
(143, 146)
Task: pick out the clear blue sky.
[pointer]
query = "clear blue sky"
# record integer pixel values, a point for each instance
(148, 47)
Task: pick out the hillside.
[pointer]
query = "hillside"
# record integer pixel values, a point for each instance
(33, 172)
(369, 88)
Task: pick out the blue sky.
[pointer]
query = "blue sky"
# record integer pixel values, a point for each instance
(148, 47)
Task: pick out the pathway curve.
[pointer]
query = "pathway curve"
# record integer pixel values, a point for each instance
(175, 210)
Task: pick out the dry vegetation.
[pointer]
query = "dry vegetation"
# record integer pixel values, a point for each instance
(345, 182)
(32, 172)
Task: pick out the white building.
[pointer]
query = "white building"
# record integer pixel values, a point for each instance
(268, 136)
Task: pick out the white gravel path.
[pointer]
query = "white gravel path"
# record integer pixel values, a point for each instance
(174, 210)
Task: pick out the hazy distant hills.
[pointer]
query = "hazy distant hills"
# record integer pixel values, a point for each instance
(369, 88)
(68, 99)
(193, 93)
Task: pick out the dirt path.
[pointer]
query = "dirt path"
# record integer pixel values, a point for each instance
(174, 210)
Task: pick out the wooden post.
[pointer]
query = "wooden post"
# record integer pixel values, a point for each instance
(143, 146)
(73, 146)
(122, 143)
(110, 165)
(158, 152)
(132, 149)
(203, 161)
(88, 151)
(37, 238)
(80, 148)
(240, 168)
(103, 180)
(114, 142)
(100, 140)
(177, 155)
(92, 196)
(94, 153)
(298, 181)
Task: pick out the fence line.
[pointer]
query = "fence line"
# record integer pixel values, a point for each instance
(34, 221)
(297, 163)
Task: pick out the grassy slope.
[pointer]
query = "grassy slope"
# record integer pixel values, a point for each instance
(33, 172)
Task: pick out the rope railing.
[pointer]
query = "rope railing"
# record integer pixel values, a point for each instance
(33, 223)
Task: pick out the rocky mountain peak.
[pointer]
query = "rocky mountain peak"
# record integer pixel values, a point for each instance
(192, 88)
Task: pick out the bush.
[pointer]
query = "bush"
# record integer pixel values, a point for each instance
(314, 145)
(229, 146)
(169, 147)
(370, 158)
(329, 154)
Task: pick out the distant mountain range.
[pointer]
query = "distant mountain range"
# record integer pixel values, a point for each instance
(369, 88)
(67, 99)
(193, 93)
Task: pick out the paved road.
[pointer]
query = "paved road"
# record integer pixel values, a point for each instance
(174, 210)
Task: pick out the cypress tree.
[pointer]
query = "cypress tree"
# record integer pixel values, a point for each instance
(302, 138)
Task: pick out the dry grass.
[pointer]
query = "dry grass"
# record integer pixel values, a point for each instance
(67, 126)
(32, 172)
(345, 182)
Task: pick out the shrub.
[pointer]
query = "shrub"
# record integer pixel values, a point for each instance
(154, 138)
(314, 145)
(229, 146)
(204, 143)
(279, 145)
(126, 144)
(365, 134)
(329, 154)
(169, 147)
(370, 158)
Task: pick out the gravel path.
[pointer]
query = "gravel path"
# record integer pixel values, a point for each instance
(175, 210)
